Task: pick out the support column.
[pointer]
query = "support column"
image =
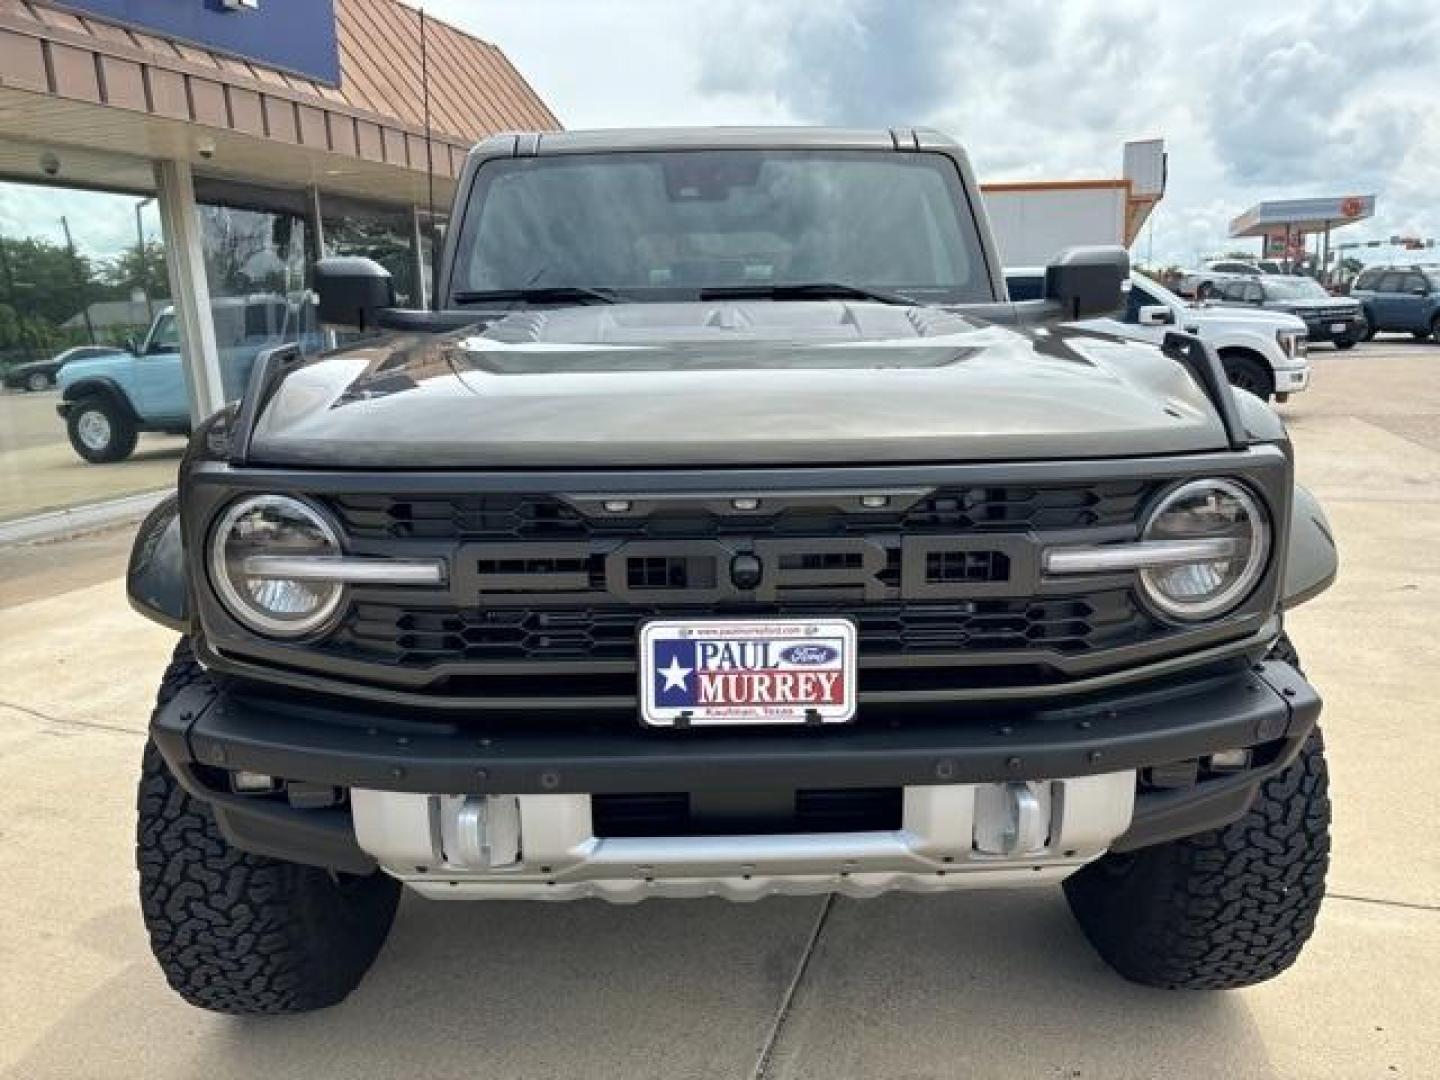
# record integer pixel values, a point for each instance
(190, 288)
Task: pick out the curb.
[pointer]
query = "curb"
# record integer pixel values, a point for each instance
(61, 524)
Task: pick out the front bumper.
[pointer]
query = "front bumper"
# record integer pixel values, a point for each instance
(208, 734)
(1332, 330)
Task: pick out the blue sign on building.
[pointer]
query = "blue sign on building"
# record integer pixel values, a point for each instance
(297, 36)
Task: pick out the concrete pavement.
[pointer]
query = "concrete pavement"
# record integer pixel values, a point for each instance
(986, 984)
(39, 471)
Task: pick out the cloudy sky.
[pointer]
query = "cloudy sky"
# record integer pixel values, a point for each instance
(1255, 98)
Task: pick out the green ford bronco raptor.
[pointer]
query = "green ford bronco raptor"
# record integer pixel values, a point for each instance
(724, 529)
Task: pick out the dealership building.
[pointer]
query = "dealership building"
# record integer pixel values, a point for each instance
(267, 132)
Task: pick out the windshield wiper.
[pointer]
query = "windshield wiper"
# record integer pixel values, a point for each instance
(541, 294)
(813, 290)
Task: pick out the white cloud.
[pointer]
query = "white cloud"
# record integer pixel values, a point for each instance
(1255, 99)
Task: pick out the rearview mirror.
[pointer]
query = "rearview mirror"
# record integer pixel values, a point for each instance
(1156, 315)
(1088, 282)
(352, 291)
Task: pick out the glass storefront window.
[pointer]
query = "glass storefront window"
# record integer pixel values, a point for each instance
(82, 276)
(257, 262)
(385, 234)
(84, 282)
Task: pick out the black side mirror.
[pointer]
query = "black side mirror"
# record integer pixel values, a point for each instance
(132, 346)
(1088, 282)
(353, 291)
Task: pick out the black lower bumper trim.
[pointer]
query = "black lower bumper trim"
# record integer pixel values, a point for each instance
(314, 837)
(1234, 708)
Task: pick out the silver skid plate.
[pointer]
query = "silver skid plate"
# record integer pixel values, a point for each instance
(955, 836)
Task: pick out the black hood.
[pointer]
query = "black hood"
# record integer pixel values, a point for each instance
(732, 383)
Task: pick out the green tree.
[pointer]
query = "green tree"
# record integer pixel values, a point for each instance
(39, 279)
(41, 286)
(136, 268)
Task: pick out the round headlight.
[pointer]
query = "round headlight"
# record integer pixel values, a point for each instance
(266, 525)
(1207, 510)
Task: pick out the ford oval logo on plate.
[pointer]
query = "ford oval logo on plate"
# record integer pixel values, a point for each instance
(809, 655)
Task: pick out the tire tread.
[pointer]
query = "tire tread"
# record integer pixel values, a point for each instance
(1225, 908)
(236, 932)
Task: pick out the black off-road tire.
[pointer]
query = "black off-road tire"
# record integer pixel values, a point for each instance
(1346, 343)
(241, 933)
(1435, 329)
(1222, 909)
(122, 432)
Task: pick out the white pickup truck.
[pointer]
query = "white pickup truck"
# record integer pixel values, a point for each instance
(1264, 352)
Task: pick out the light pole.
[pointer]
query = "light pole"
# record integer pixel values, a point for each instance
(140, 257)
(80, 282)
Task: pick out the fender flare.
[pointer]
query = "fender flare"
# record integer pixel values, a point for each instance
(1311, 559)
(155, 581)
(100, 386)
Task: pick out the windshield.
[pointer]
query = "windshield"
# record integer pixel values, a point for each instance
(164, 334)
(1296, 289)
(666, 225)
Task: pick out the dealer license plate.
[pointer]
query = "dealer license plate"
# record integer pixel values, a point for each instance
(742, 671)
(1338, 327)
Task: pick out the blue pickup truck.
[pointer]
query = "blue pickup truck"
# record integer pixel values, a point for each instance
(107, 401)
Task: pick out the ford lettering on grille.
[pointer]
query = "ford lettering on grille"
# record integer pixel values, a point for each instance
(693, 571)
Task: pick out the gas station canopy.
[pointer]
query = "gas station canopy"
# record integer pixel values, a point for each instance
(1285, 216)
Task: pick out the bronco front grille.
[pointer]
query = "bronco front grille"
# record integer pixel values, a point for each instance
(545, 595)
(945, 578)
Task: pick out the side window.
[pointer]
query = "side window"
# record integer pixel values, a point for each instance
(264, 320)
(1413, 283)
(1388, 283)
(1253, 293)
(1025, 286)
(1366, 280)
(166, 337)
(229, 324)
(1232, 268)
(1231, 290)
(1137, 299)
